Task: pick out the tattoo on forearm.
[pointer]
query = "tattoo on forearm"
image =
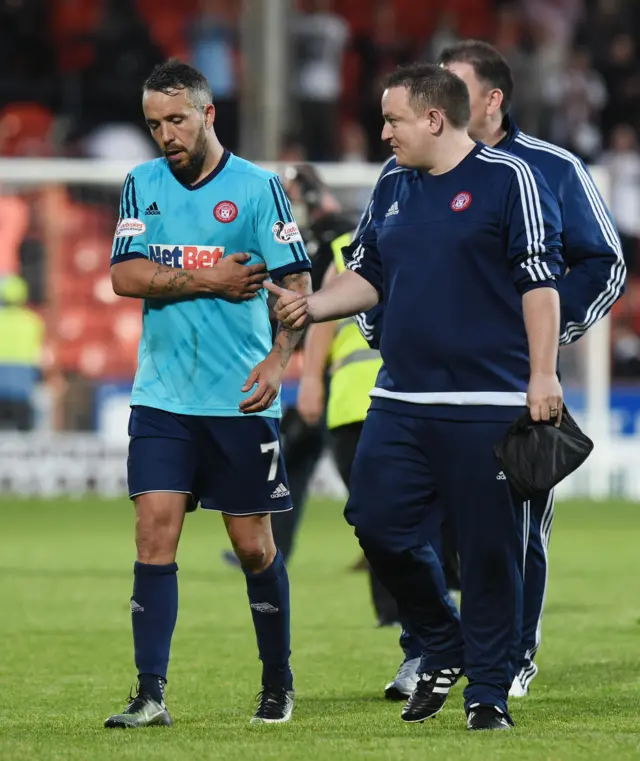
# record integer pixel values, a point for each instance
(151, 290)
(285, 343)
(179, 282)
(175, 285)
(286, 340)
(297, 281)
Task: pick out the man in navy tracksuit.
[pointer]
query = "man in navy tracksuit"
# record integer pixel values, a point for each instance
(595, 280)
(462, 245)
(591, 250)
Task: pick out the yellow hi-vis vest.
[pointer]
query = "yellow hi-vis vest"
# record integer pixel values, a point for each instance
(21, 336)
(354, 366)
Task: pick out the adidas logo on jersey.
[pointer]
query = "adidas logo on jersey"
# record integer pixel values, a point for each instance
(279, 492)
(264, 607)
(393, 209)
(152, 210)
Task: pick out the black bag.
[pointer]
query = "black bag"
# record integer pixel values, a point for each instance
(535, 457)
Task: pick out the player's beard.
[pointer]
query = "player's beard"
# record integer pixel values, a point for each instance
(189, 171)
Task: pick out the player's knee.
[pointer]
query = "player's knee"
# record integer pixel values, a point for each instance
(254, 553)
(157, 534)
(156, 544)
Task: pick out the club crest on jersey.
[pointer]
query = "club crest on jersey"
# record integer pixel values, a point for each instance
(461, 201)
(225, 211)
(185, 257)
(286, 232)
(128, 228)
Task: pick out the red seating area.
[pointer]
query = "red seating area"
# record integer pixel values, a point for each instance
(93, 332)
(417, 21)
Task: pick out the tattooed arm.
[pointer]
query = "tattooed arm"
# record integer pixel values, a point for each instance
(268, 374)
(286, 339)
(229, 279)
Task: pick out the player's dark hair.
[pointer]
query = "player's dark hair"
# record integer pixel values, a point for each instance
(489, 66)
(173, 75)
(432, 86)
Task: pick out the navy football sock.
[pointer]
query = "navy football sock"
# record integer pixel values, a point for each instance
(154, 610)
(268, 593)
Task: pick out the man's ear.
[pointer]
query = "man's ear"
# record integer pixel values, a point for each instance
(209, 115)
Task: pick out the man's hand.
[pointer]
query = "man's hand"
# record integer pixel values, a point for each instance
(233, 280)
(268, 375)
(310, 399)
(292, 308)
(544, 397)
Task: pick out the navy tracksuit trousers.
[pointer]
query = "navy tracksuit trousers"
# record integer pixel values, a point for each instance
(541, 511)
(411, 472)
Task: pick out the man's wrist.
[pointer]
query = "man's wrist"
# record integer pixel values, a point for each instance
(280, 354)
(312, 308)
(207, 281)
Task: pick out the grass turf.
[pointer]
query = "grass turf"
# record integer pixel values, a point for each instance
(66, 663)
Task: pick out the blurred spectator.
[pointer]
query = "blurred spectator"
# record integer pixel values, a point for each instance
(26, 52)
(621, 72)
(578, 95)
(214, 41)
(626, 351)
(124, 56)
(444, 35)
(509, 40)
(292, 151)
(379, 52)
(354, 143)
(320, 37)
(559, 17)
(604, 20)
(623, 163)
(21, 340)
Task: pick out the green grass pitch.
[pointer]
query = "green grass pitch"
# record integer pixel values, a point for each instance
(66, 662)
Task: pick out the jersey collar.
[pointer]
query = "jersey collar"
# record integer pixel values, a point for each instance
(212, 175)
(512, 130)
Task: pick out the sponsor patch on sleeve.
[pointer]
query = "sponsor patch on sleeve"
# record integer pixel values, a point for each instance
(128, 228)
(286, 232)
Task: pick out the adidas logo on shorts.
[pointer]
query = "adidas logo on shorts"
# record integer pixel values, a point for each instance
(279, 492)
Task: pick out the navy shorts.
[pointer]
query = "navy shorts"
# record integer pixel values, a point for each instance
(231, 464)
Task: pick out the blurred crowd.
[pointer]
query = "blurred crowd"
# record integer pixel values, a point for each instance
(71, 72)
(79, 65)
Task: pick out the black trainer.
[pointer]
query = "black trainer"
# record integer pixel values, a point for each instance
(430, 694)
(143, 711)
(275, 706)
(487, 717)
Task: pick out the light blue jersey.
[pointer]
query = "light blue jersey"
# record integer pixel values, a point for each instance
(196, 353)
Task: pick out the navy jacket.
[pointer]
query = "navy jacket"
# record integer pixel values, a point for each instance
(591, 247)
(451, 256)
